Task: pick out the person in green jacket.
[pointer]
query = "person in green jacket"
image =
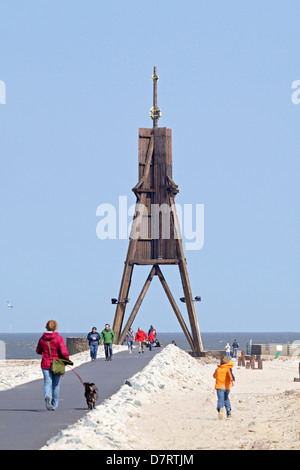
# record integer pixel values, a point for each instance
(107, 337)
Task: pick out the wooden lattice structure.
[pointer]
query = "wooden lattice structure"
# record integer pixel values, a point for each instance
(155, 238)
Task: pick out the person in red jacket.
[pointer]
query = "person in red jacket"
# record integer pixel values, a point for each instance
(152, 337)
(140, 336)
(58, 350)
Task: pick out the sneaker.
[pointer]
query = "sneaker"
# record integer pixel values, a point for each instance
(220, 414)
(48, 403)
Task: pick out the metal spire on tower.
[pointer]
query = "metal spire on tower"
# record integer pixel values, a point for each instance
(155, 112)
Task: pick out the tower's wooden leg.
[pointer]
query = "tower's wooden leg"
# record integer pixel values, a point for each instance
(175, 307)
(198, 348)
(137, 305)
(121, 307)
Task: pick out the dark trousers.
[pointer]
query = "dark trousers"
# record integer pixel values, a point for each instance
(108, 350)
(93, 350)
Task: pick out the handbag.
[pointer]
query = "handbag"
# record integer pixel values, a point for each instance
(58, 366)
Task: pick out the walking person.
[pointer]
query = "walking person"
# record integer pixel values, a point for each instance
(51, 346)
(107, 337)
(227, 350)
(130, 339)
(152, 338)
(94, 339)
(150, 329)
(235, 346)
(224, 380)
(140, 336)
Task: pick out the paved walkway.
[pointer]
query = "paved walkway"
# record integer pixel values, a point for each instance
(25, 424)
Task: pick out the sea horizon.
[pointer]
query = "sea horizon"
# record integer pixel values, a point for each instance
(168, 332)
(20, 345)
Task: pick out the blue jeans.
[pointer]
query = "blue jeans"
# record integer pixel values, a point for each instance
(51, 386)
(94, 349)
(108, 350)
(130, 343)
(235, 350)
(223, 400)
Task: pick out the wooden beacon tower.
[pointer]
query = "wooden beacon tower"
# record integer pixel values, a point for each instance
(155, 237)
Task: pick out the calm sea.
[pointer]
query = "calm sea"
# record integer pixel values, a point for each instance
(23, 345)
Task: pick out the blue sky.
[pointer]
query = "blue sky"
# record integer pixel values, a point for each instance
(78, 87)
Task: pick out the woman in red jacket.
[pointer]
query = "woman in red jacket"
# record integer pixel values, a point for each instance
(152, 337)
(140, 336)
(58, 350)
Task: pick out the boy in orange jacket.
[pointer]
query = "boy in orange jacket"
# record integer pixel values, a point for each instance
(224, 379)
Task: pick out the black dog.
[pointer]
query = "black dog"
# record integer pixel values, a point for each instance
(91, 394)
